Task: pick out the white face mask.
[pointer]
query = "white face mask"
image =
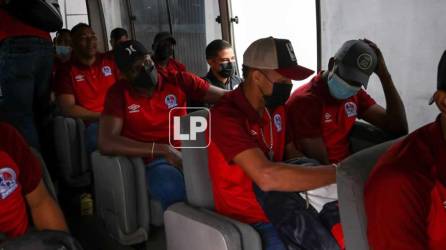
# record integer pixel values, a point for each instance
(339, 88)
(63, 51)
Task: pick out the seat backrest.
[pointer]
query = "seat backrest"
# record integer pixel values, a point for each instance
(71, 154)
(364, 135)
(195, 167)
(46, 175)
(351, 176)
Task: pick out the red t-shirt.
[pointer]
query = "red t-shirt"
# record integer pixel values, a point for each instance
(20, 173)
(88, 84)
(236, 127)
(172, 67)
(405, 194)
(13, 27)
(313, 112)
(145, 118)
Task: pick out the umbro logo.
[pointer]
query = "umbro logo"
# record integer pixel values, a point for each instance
(134, 108)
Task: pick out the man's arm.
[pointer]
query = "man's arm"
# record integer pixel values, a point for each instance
(273, 176)
(111, 142)
(314, 148)
(214, 94)
(67, 104)
(393, 118)
(45, 212)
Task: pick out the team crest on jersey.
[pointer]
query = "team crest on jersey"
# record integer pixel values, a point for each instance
(106, 70)
(8, 182)
(351, 109)
(171, 101)
(278, 122)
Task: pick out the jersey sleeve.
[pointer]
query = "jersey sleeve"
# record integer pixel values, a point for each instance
(365, 101)
(114, 101)
(63, 83)
(304, 117)
(194, 86)
(230, 134)
(15, 146)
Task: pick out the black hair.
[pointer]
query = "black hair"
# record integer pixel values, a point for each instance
(245, 71)
(78, 27)
(62, 31)
(117, 33)
(216, 46)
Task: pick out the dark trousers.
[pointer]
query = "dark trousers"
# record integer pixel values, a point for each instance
(25, 71)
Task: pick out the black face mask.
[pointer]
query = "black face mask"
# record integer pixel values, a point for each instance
(227, 69)
(163, 52)
(146, 79)
(281, 93)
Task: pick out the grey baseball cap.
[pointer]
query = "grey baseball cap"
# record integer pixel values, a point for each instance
(356, 61)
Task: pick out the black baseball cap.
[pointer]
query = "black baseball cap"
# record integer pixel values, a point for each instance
(356, 61)
(441, 75)
(126, 53)
(276, 54)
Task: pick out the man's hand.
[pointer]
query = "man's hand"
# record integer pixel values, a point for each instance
(173, 156)
(381, 67)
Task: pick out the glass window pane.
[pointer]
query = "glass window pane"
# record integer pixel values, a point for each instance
(115, 15)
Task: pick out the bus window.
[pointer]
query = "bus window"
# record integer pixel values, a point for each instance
(73, 12)
(192, 23)
(115, 16)
(293, 20)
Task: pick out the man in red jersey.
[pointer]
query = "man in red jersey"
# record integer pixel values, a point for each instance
(22, 187)
(163, 48)
(135, 120)
(323, 111)
(248, 147)
(82, 83)
(405, 195)
(26, 59)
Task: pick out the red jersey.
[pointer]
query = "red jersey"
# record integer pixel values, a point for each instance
(88, 84)
(313, 112)
(145, 118)
(172, 67)
(405, 194)
(13, 27)
(20, 173)
(236, 127)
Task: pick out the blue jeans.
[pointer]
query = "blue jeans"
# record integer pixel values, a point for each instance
(165, 183)
(25, 71)
(270, 238)
(91, 137)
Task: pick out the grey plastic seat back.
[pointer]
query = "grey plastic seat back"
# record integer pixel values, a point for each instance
(195, 168)
(72, 159)
(195, 225)
(351, 176)
(364, 135)
(46, 175)
(121, 197)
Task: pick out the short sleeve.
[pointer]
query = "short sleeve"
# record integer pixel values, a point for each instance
(63, 83)
(194, 86)
(19, 151)
(114, 101)
(397, 202)
(365, 101)
(230, 134)
(304, 117)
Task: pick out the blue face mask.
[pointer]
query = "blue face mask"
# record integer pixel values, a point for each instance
(63, 51)
(339, 88)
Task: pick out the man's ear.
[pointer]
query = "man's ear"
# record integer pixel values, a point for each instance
(331, 63)
(440, 100)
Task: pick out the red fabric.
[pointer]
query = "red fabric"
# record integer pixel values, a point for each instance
(172, 67)
(313, 112)
(338, 234)
(15, 159)
(88, 84)
(147, 118)
(236, 127)
(12, 27)
(405, 193)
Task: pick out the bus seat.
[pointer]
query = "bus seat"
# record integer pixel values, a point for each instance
(122, 201)
(365, 135)
(46, 175)
(351, 176)
(194, 225)
(72, 159)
